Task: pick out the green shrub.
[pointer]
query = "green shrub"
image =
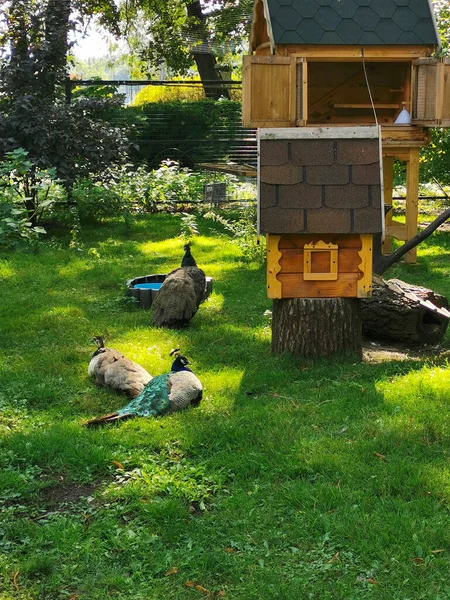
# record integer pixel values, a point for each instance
(189, 132)
(98, 200)
(169, 93)
(26, 192)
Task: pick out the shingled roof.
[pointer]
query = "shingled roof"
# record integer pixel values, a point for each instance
(352, 22)
(320, 180)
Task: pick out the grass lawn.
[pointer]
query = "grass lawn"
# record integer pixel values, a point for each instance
(292, 480)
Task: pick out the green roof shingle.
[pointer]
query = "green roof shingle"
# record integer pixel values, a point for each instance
(353, 22)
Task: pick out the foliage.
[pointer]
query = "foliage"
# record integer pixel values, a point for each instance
(169, 93)
(244, 230)
(442, 12)
(171, 24)
(291, 480)
(96, 201)
(177, 92)
(74, 140)
(435, 158)
(184, 124)
(25, 193)
(96, 91)
(181, 34)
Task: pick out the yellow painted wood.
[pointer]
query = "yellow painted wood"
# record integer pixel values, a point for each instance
(365, 283)
(273, 266)
(331, 250)
(295, 287)
(292, 260)
(388, 187)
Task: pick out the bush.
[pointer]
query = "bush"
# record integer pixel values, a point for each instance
(169, 93)
(98, 200)
(25, 193)
(189, 132)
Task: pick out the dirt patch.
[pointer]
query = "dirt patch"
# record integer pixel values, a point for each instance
(66, 493)
(381, 352)
(444, 227)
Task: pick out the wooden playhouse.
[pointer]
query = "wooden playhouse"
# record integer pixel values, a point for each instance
(341, 63)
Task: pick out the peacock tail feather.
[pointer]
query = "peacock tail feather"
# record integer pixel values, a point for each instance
(152, 401)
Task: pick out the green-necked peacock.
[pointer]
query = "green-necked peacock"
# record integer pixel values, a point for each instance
(164, 394)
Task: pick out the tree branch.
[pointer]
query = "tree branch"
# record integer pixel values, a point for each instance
(382, 263)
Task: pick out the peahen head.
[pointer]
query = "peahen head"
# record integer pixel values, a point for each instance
(98, 340)
(188, 259)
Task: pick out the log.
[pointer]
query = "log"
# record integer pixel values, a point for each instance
(401, 312)
(317, 327)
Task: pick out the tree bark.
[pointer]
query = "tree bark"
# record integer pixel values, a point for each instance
(317, 327)
(205, 61)
(401, 312)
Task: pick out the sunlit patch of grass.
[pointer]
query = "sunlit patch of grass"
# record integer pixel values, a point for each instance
(6, 272)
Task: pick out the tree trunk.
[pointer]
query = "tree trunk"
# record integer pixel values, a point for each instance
(401, 312)
(205, 61)
(316, 327)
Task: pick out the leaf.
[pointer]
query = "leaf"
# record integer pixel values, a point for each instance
(196, 586)
(334, 558)
(118, 465)
(14, 580)
(201, 589)
(171, 571)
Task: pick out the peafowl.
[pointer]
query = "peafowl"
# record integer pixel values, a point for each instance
(164, 394)
(180, 294)
(112, 369)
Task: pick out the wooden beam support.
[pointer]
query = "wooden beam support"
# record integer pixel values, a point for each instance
(338, 53)
(388, 187)
(412, 200)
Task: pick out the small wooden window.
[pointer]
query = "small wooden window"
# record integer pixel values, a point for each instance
(320, 262)
(268, 91)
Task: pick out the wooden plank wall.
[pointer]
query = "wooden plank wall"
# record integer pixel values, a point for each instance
(290, 274)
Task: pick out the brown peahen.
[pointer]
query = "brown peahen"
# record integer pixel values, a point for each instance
(180, 294)
(112, 369)
(164, 394)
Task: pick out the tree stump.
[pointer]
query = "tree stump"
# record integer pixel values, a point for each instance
(401, 312)
(316, 327)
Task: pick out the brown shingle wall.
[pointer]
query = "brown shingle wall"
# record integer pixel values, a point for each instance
(320, 186)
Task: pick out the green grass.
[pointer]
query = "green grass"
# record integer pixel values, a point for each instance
(292, 480)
